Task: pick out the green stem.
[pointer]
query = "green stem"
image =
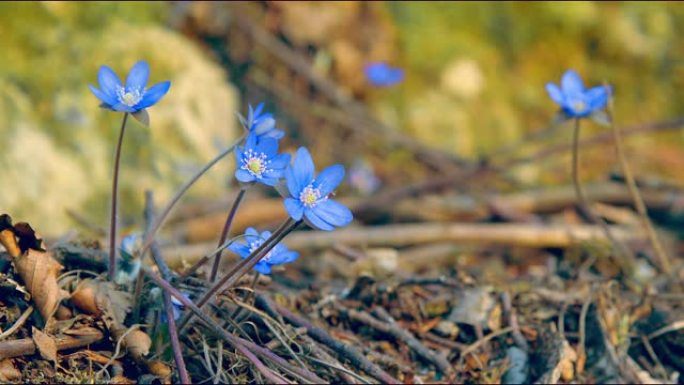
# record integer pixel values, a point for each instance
(224, 233)
(115, 190)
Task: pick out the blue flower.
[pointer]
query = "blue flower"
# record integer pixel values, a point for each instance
(279, 255)
(575, 101)
(259, 161)
(261, 123)
(132, 97)
(309, 195)
(382, 75)
(177, 308)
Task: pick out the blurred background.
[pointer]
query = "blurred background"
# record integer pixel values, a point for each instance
(472, 94)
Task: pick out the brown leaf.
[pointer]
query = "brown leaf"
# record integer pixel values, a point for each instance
(8, 373)
(98, 298)
(38, 270)
(47, 347)
(159, 369)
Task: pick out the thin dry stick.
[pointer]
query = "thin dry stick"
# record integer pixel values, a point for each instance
(345, 351)
(391, 327)
(234, 341)
(634, 192)
(242, 267)
(192, 269)
(584, 204)
(477, 344)
(168, 306)
(226, 230)
(581, 348)
(115, 190)
(167, 210)
(20, 321)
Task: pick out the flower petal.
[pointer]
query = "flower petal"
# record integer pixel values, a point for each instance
(153, 95)
(334, 213)
(240, 249)
(263, 268)
(263, 126)
(555, 93)
(244, 176)
(291, 182)
(280, 161)
(597, 97)
(268, 180)
(252, 232)
(109, 82)
(104, 98)
(303, 168)
(268, 146)
(137, 77)
(294, 208)
(329, 179)
(316, 222)
(571, 84)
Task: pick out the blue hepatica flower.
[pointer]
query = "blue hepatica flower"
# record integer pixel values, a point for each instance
(575, 101)
(261, 123)
(309, 195)
(177, 308)
(259, 161)
(131, 97)
(279, 255)
(382, 75)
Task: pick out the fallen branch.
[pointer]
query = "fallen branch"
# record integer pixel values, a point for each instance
(26, 346)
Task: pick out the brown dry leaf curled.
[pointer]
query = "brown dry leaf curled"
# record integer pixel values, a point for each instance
(39, 270)
(47, 347)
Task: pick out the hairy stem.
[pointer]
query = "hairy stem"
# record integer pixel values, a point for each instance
(663, 258)
(167, 210)
(224, 233)
(584, 203)
(115, 190)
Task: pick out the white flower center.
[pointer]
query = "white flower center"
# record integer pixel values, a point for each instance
(255, 163)
(255, 245)
(310, 196)
(579, 106)
(130, 98)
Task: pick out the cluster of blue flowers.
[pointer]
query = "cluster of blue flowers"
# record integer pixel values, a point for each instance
(307, 196)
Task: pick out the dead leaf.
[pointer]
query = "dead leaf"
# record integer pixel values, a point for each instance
(98, 298)
(47, 347)
(7, 237)
(39, 270)
(159, 369)
(8, 373)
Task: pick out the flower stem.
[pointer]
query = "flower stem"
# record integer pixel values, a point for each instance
(242, 267)
(224, 233)
(167, 210)
(115, 190)
(584, 204)
(636, 196)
